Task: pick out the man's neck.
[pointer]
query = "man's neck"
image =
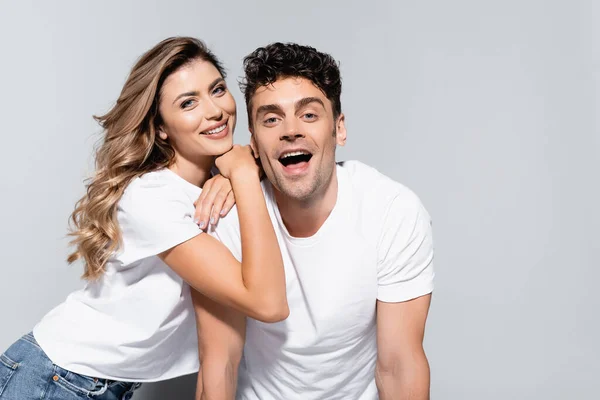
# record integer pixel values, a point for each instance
(304, 218)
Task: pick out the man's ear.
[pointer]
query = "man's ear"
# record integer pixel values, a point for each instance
(253, 145)
(340, 130)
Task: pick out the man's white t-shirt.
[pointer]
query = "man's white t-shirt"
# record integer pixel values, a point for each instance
(375, 245)
(136, 323)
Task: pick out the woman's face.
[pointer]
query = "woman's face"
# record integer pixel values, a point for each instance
(198, 112)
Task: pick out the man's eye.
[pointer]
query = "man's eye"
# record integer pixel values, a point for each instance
(310, 116)
(271, 120)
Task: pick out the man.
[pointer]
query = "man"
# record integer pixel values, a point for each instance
(357, 249)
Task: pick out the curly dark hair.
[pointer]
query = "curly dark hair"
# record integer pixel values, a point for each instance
(282, 60)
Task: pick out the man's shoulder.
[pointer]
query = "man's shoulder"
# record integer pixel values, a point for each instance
(373, 186)
(227, 231)
(229, 226)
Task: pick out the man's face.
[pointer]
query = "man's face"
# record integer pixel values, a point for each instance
(295, 134)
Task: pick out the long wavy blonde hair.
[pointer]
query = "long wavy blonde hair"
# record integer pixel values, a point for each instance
(131, 147)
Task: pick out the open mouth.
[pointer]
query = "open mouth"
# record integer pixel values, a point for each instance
(295, 158)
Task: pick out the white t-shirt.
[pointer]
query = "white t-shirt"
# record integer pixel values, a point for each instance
(375, 245)
(136, 323)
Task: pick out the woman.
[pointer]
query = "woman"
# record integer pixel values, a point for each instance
(133, 322)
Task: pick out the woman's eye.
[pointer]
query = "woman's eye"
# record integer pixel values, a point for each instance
(187, 104)
(220, 89)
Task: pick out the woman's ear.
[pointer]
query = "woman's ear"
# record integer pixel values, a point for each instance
(162, 134)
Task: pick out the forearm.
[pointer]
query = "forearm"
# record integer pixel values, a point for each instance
(199, 386)
(221, 331)
(404, 380)
(262, 264)
(217, 379)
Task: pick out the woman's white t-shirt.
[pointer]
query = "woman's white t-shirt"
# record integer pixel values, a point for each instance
(135, 323)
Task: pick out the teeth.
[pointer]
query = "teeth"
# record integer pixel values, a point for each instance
(216, 130)
(294, 153)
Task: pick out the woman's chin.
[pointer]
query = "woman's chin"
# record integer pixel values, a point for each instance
(222, 147)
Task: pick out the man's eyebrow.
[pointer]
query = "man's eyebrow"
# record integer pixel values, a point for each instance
(196, 93)
(269, 108)
(307, 100)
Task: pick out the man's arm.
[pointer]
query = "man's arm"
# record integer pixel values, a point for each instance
(221, 334)
(405, 282)
(402, 371)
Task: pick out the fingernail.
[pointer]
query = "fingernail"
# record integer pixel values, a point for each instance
(201, 224)
(223, 212)
(212, 220)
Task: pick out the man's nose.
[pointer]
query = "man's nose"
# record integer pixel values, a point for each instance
(291, 132)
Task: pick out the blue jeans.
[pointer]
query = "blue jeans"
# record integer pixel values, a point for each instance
(27, 373)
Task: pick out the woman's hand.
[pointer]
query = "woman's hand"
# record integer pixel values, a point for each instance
(239, 159)
(215, 201)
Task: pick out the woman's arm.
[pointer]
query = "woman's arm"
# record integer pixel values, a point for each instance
(256, 286)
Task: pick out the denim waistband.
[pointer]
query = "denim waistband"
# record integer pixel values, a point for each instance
(30, 338)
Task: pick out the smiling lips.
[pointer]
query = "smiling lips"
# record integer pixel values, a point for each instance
(217, 132)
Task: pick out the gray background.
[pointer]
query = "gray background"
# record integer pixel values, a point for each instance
(487, 109)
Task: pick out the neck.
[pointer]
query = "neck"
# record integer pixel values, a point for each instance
(304, 218)
(196, 172)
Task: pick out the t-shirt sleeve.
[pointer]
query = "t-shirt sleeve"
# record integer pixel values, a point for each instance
(154, 218)
(405, 251)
